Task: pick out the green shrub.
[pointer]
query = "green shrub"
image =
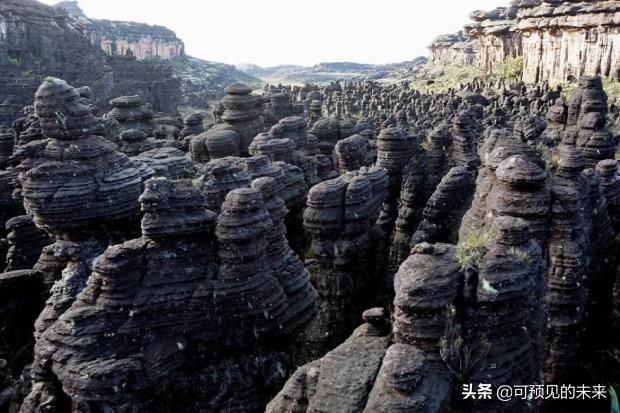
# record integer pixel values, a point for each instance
(510, 69)
(473, 246)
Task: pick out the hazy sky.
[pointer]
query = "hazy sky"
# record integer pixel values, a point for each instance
(271, 32)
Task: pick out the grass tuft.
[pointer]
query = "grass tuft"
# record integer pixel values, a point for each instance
(523, 255)
(472, 248)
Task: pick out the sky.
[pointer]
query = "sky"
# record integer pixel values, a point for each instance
(273, 32)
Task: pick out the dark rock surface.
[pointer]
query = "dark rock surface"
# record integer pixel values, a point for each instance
(158, 321)
(152, 256)
(343, 266)
(113, 58)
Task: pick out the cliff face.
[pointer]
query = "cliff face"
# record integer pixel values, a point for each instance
(118, 38)
(112, 58)
(571, 40)
(558, 40)
(454, 49)
(37, 41)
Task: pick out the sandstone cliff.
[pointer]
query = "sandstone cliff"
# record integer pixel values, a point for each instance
(112, 58)
(36, 41)
(558, 40)
(200, 81)
(118, 38)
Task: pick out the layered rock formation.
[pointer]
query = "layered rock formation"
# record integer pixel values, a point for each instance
(454, 48)
(158, 321)
(40, 41)
(445, 208)
(117, 38)
(242, 112)
(44, 43)
(344, 259)
(84, 193)
(412, 201)
(394, 150)
(366, 374)
(482, 325)
(74, 188)
(26, 242)
(131, 114)
(557, 40)
(211, 296)
(581, 39)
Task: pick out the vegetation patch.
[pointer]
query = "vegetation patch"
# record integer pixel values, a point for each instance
(473, 246)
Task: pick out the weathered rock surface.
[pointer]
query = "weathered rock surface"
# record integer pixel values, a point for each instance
(557, 40)
(117, 38)
(25, 243)
(242, 114)
(445, 208)
(343, 261)
(157, 320)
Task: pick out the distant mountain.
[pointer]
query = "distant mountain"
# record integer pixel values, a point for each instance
(329, 71)
(200, 81)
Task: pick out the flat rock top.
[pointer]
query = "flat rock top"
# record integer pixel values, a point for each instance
(238, 89)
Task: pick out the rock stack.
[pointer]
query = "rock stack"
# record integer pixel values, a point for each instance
(411, 205)
(338, 221)
(394, 150)
(327, 132)
(599, 146)
(193, 127)
(25, 243)
(131, 113)
(280, 104)
(351, 153)
(556, 120)
(96, 182)
(587, 111)
(276, 149)
(445, 208)
(167, 162)
(426, 288)
(508, 342)
(439, 140)
(85, 194)
(222, 176)
(133, 142)
(300, 154)
(284, 264)
(294, 189)
(158, 320)
(214, 144)
(316, 111)
(464, 152)
(522, 191)
(567, 274)
(293, 128)
(504, 144)
(193, 124)
(242, 114)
